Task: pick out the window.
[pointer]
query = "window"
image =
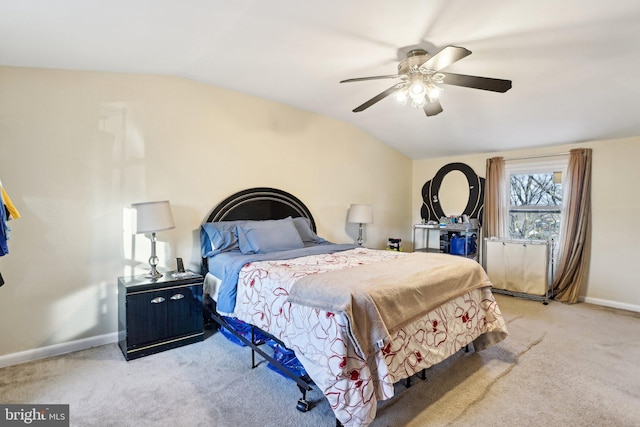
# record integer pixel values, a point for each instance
(535, 199)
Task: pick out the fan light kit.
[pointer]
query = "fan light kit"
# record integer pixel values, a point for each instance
(420, 80)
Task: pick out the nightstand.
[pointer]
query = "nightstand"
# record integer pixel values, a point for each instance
(158, 314)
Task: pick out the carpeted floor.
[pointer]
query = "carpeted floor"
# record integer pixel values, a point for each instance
(561, 365)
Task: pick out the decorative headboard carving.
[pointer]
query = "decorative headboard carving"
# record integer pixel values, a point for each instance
(431, 209)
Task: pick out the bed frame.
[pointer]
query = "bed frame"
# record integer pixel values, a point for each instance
(260, 203)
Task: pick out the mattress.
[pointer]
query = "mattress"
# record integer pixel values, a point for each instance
(321, 341)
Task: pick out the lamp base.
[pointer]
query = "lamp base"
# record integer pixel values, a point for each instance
(153, 274)
(153, 260)
(360, 240)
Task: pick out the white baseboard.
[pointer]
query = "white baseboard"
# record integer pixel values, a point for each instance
(56, 349)
(612, 304)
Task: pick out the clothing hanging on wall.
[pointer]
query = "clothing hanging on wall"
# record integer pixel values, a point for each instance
(7, 212)
(12, 212)
(4, 249)
(4, 230)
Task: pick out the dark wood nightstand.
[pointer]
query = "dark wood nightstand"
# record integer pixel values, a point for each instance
(158, 314)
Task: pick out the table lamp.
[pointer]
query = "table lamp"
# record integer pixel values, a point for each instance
(360, 214)
(152, 217)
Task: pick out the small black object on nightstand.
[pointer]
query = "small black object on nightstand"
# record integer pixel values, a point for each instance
(179, 265)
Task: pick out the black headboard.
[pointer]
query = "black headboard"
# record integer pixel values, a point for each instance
(260, 203)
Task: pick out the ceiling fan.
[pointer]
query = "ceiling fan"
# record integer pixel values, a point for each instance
(420, 76)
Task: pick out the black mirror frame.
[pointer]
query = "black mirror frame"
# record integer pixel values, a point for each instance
(431, 209)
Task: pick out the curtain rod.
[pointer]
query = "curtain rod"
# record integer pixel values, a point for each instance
(538, 157)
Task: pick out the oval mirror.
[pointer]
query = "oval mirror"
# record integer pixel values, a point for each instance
(454, 193)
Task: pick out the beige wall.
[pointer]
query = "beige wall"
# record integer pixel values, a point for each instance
(77, 148)
(613, 278)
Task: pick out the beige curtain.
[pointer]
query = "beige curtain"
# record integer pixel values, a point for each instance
(574, 245)
(495, 203)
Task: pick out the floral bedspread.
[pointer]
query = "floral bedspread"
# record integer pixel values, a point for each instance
(320, 340)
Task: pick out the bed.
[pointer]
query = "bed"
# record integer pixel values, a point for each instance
(358, 320)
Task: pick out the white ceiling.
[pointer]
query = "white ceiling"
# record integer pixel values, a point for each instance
(574, 64)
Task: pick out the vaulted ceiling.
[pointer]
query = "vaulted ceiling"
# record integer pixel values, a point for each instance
(574, 63)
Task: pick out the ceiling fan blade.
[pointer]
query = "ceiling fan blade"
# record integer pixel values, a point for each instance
(432, 108)
(445, 57)
(360, 79)
(475, 82)
(377, 98)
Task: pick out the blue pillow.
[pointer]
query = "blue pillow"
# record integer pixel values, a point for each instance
(303, 225)
(218, 237)
(261, 237)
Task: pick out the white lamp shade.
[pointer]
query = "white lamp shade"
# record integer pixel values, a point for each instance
(360, 214)
(153, 216)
